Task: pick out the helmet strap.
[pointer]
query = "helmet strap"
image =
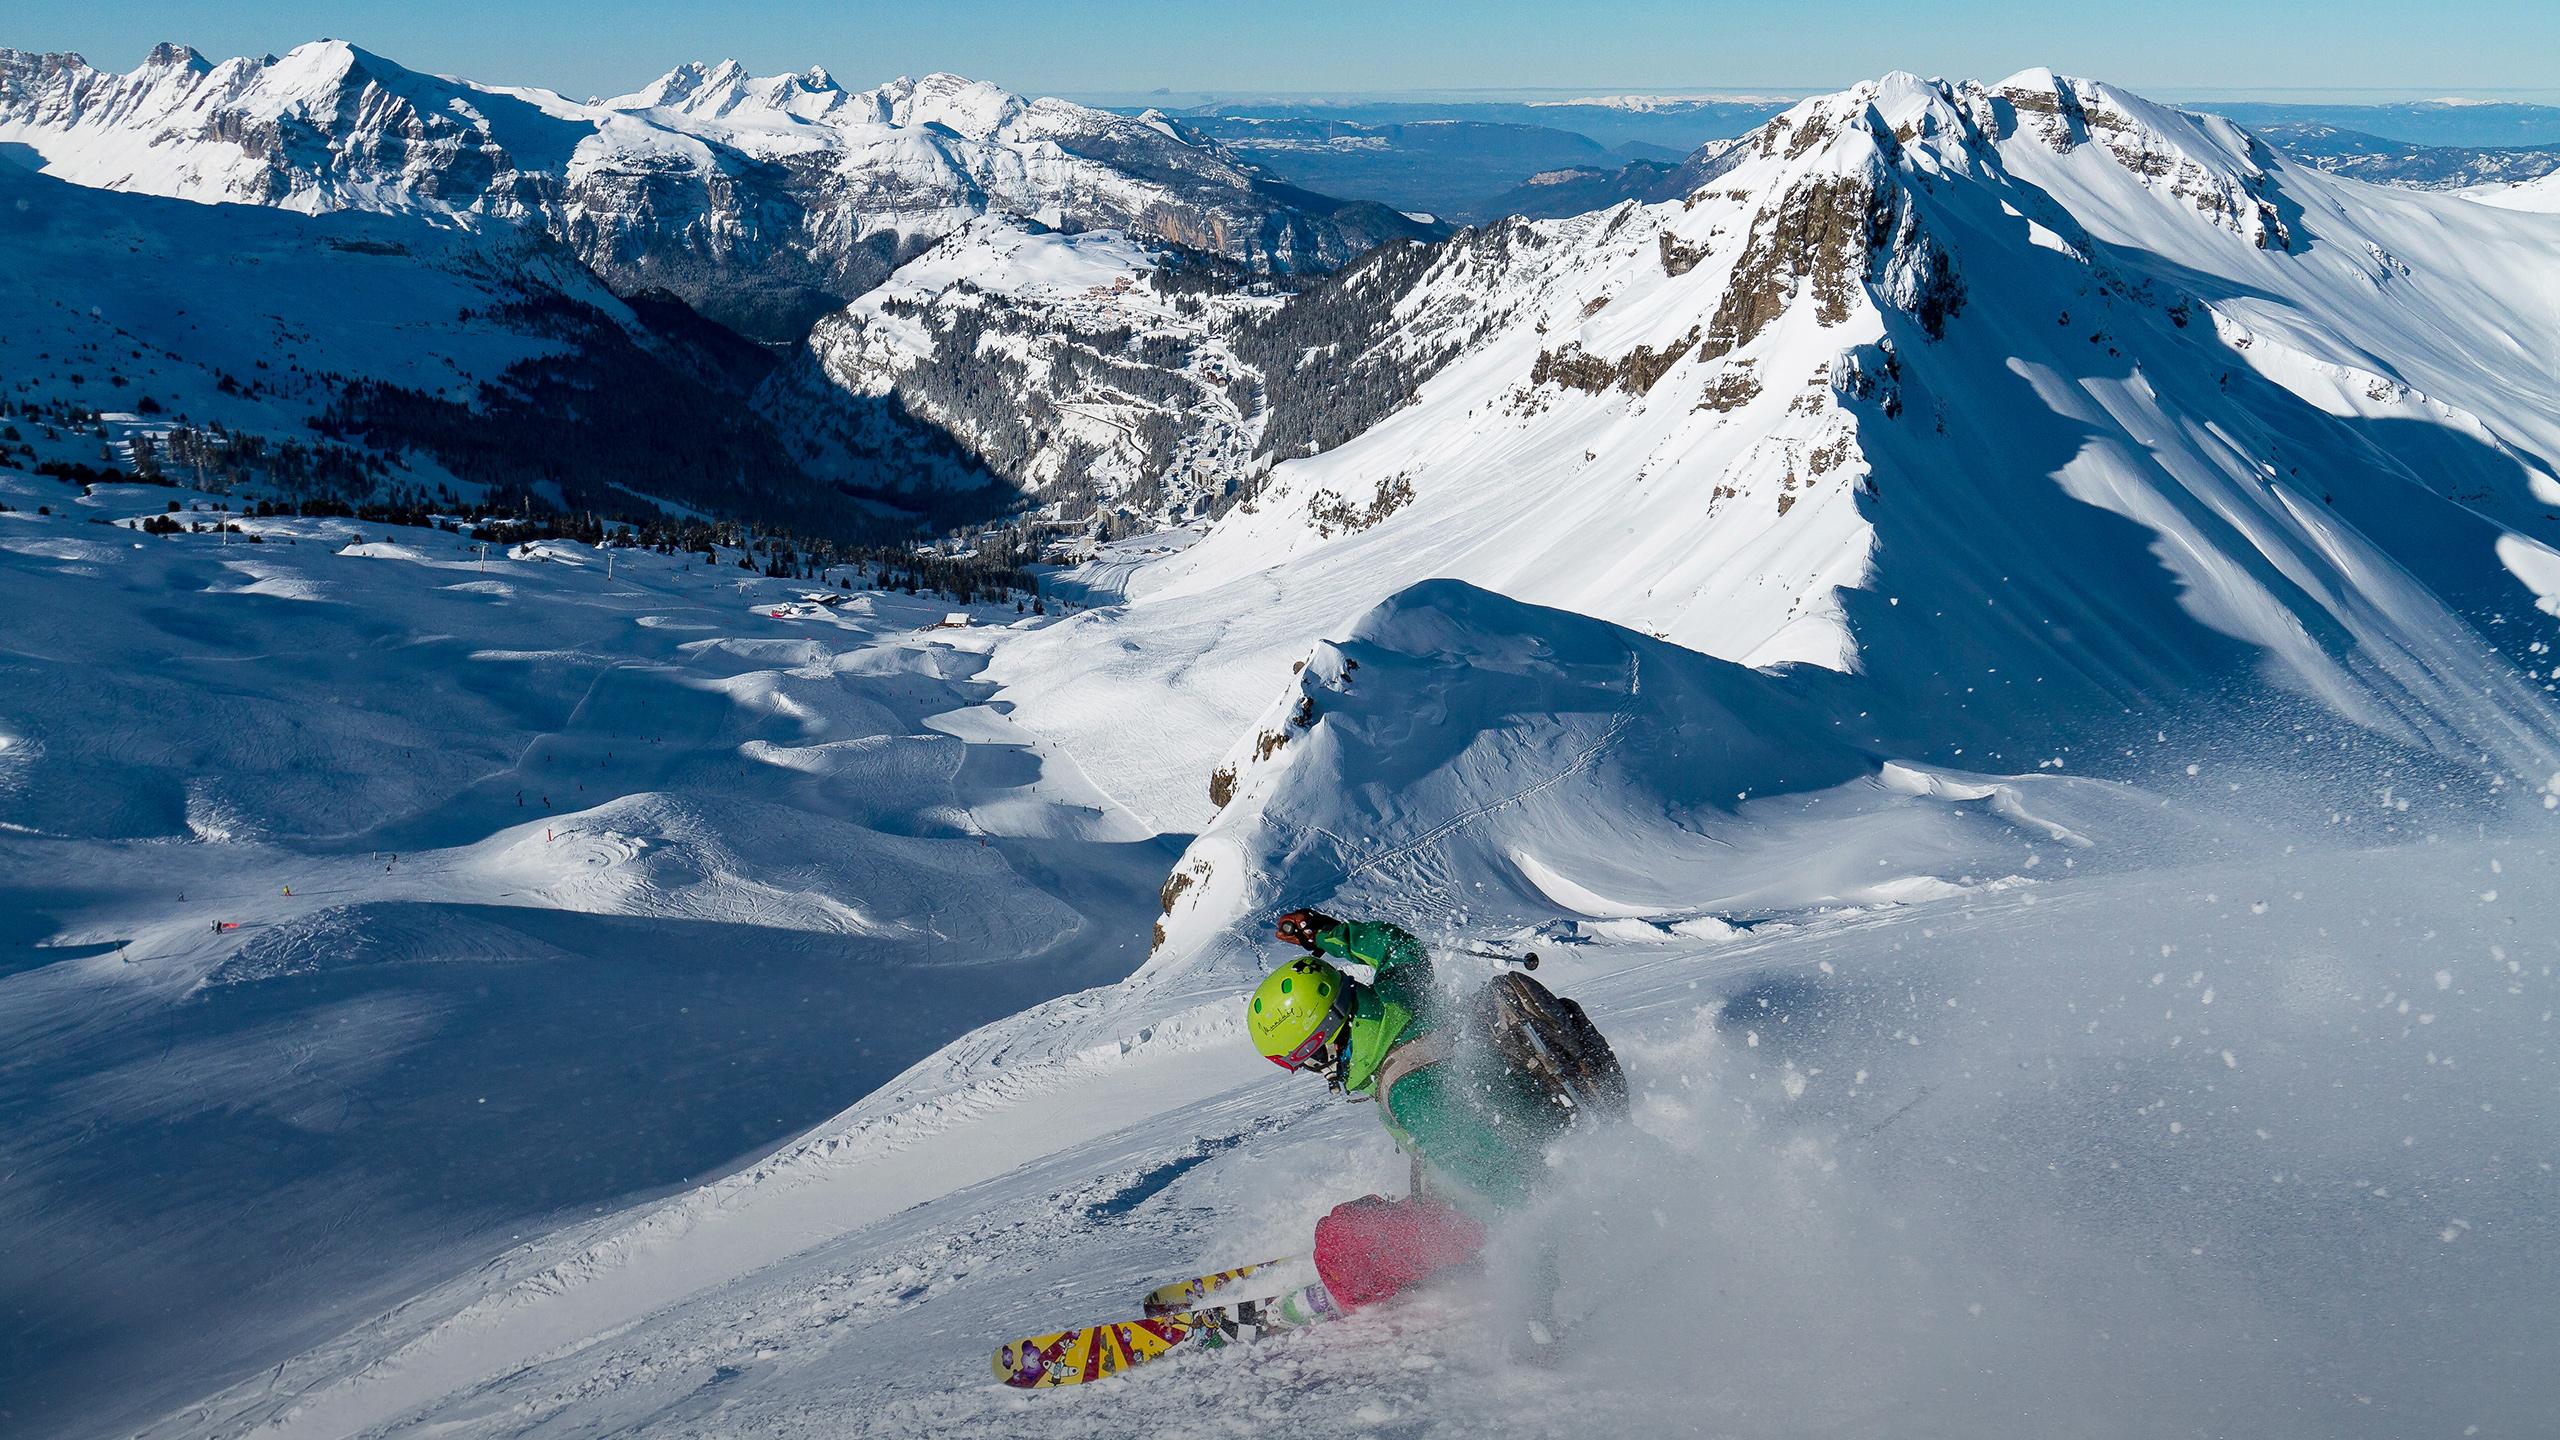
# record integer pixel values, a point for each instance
(1338, 1073)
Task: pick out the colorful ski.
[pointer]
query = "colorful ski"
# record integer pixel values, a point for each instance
(1072, 1357)
(1272, 1277)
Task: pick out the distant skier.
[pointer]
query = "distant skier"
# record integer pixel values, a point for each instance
(1476, 1115)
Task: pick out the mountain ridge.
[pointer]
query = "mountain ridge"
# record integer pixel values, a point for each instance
(2036, 347)
(762, 201)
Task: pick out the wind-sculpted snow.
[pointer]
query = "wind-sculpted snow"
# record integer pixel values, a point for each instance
(366, 907)
(1469, 764)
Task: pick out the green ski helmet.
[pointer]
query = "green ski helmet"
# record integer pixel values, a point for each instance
(1298, 1010)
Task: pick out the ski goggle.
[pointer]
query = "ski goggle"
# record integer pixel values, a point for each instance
(1317, 1048)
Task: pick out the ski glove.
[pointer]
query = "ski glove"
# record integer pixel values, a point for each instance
(1301, 927)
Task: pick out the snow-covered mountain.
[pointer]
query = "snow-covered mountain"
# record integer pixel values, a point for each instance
(1111, 378)
(356, 356)
(2164, 411)
(2002, 642)
(1070, 365)
(764, 201)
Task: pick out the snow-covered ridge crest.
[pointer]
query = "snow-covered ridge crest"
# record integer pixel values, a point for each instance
(972, 108)
(1476, 766)
(2202, 160)
(2542, 196)
(821, 111)
(725, 91)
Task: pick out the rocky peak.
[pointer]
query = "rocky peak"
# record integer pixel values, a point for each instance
(972, 109)
(167, 56)
(2213, 165)
(1825, 211)
(678, 88)
(668, 90)
(25, 74)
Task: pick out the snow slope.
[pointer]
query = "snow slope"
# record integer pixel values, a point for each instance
(1628, 784)
(551, 887)
(2105, 1132)
(356, 356)
(142, 298)
(2541, 196)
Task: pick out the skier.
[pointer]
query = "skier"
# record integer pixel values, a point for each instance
(1476, 1124)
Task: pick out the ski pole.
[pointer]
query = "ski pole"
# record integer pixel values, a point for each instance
(1525, 962)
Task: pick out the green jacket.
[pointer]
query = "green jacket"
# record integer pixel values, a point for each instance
(1481, 1128)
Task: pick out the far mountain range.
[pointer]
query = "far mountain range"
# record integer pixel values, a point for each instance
(1470, 161)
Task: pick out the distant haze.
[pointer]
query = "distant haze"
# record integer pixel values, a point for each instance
(1120, 48)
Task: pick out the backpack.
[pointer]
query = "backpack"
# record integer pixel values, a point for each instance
(1545, 1036)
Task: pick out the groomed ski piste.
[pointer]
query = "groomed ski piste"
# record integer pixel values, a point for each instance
(2071, 886)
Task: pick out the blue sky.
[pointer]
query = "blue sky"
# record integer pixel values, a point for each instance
(2171, 47)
